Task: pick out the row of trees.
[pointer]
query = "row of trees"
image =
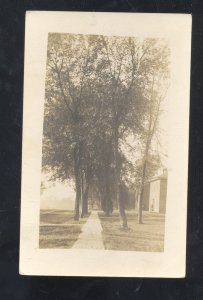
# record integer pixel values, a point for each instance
(103, 96)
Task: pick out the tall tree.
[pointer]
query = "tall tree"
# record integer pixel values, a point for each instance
(70, 72)
(128, 61)
(157, 93)
(97, 93)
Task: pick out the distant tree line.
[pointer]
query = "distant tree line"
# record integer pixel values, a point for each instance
(100, 92)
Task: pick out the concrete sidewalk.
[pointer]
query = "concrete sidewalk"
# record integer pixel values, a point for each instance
(91, 236)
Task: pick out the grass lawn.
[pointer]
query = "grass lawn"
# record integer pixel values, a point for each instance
(58, 229)
(146, 237)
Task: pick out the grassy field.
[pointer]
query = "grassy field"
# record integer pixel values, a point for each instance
(146, 237)
(58, 229)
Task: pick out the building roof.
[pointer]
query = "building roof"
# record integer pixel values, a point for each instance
(163, 176)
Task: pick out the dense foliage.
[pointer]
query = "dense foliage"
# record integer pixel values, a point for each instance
(99, 92)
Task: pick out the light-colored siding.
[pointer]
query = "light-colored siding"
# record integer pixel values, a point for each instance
(163, 192)
(154, 196)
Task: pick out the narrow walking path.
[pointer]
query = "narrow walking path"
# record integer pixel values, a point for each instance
(91, 236)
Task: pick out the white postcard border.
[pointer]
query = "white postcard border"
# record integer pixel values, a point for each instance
(66, 262)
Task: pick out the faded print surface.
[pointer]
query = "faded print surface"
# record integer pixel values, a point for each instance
(104, 160)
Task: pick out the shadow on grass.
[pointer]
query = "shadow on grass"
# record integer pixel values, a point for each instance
(147, 237)
(58, 229)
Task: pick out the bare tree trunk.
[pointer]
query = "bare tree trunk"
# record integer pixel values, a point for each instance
(119, 196)
(107, 189)
(122, 207)
(140, 208)
(82, 192)
(148, 142)
(85, 201)
(153, 119)
(86, 178)
(77, 182)
(140, 198)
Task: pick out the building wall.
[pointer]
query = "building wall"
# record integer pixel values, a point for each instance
(163, 193)
(154, 196)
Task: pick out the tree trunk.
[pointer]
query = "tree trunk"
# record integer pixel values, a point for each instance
(85, 201)
(140, 208)
(119, 198)
(140, 198)
(151, 130)
(108, 205)
(77, 182)
(121, 204)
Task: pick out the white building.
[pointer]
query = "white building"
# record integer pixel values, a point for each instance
(154, 197)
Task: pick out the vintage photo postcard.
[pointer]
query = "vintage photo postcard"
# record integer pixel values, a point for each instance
(105, 144)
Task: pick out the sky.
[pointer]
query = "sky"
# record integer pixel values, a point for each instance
(57, 195)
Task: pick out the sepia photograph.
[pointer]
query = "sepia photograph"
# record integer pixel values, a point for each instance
(104, 154)
(105, 144)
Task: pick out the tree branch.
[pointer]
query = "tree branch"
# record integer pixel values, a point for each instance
(62, 92)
